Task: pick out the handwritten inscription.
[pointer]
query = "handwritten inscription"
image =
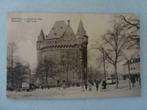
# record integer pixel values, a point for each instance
(27, 20)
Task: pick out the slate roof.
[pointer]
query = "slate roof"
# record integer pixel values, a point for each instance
(61, 34)
(81, 31)
(41, 36)
(57, 30)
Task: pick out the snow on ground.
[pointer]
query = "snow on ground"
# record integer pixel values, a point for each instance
(77, 92)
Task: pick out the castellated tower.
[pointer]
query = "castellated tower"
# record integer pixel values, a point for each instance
(65, 52)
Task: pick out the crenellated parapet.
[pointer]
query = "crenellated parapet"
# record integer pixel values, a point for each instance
(57, 43)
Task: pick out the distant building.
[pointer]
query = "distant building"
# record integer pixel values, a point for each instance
(65, 50)
(132, 67)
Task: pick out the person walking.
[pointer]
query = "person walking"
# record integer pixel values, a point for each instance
(97, 84)
(90, 85)
(104, 84)
(133, 81)
(85, 85)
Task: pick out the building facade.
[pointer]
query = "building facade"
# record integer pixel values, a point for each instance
(65, 52)
(132, 68)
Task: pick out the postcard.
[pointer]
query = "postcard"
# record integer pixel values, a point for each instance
(73, 55)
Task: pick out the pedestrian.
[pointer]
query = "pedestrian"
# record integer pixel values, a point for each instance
(133, 81)
(90, 85)
(139, 81)
(85, 85)
(41, 87)
(104, 84)
(97, 84)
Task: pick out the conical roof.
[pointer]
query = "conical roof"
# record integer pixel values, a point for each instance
(41, 36)
(57, 30)
(69, 34)
(81, 31)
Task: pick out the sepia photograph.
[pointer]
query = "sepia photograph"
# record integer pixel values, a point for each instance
(73, 55)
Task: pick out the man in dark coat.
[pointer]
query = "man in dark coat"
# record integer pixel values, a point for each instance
(97, 84)
(104, 84)
(133, 80)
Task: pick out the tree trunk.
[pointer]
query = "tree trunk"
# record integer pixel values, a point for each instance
(129, 74)
(104, 67)
(116, 75)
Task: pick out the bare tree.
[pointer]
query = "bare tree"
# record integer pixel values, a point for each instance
(102, 59)
(132, 25)
(128, 65)
(10, 64)
(115, 41)
(20, 74)
(124, 35)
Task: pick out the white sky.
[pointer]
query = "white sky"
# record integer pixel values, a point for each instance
(25, 34)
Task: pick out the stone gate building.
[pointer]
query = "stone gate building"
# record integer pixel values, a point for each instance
(66, 52)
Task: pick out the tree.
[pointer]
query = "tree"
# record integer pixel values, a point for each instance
(132, 25)
(16, 71)
(20, 73)
(10, 63)
(115, 41)
(101, 59)
(101, 49)
(128, 66)
(123, 35)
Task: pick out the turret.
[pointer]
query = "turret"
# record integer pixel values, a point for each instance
(81, 31)
(81, 34)
(83, 42)
(41, 36)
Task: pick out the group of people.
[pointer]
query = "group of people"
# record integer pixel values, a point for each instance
(96, 83)
(88, 85)
(135, 79)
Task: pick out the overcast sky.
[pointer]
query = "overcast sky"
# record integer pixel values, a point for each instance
(23, 29)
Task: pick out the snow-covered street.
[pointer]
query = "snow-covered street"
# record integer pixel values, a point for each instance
(78, 92)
